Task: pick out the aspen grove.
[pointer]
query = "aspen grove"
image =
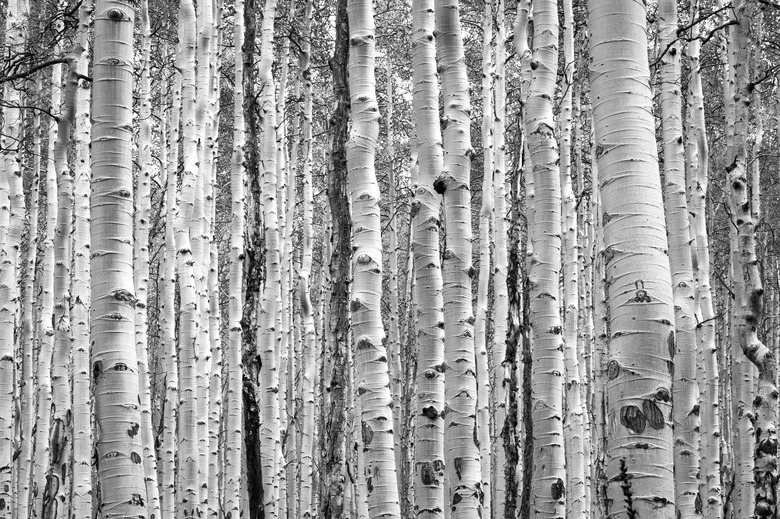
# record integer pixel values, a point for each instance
(384, 259)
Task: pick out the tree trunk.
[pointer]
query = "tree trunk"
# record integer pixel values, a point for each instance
(685, 390)
(114, 359)
(639, 460)
(306, 492)
(425, 215)
(373, 381)
(463, 462)
(483, 284)
(574, 431)
(333, 410)
(10, 241)
(549, 475)
(233, 399)
(143, 208)
(80, 302)
(188, 502)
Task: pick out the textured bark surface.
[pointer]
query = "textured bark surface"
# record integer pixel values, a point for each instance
(114, 360)
(697, 152)
(462, 449)
(333, 440)
(11, 226)
(233, 400)
(425, 213)
(685, 389)
(639, 461)
(548, 487)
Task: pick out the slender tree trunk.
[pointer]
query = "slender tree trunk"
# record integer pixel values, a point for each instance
(10, 240)
(143, 208)
(698, 168)
(749, 296)
(233, 400)
(500, 369)
(574, 432)
(188, 454)
(270, 446)
(308, 363)
(485, 219)
(46, 333)
(549, 475)
(462, 455)
(114, 359)
(56, 500)
(425, 215)
(307, 316)
(685, 390)
(171, 402)
(29, 334)
(639, 463)
(335, 399)
(81, 498)
(373, 381)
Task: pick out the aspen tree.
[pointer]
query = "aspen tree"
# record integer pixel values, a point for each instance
(373, 384)
(304, 276)
(425, 215)
(270, 446)
(574, 432)
(56, 500)
(685, 390)
(16, 20)
(143, 207)
(168, 490)
(198, 229)
(114, 360)
(216, 429)
(81, 497)
(463, 463)
(188, 452)
(500, 370)
(548, 483)
(233, 401)
(28, 336)
(394, 335)
(698, 168)
(46, 333)
(584, 260)
(749, 292)
(639, 461)
(285, 317)
(485, 217)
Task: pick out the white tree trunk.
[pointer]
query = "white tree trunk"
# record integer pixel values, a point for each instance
(373, 381)
(639, 463)
(114, 359)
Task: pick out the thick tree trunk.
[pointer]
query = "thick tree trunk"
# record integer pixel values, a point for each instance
(114, 359)
(639, 463)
